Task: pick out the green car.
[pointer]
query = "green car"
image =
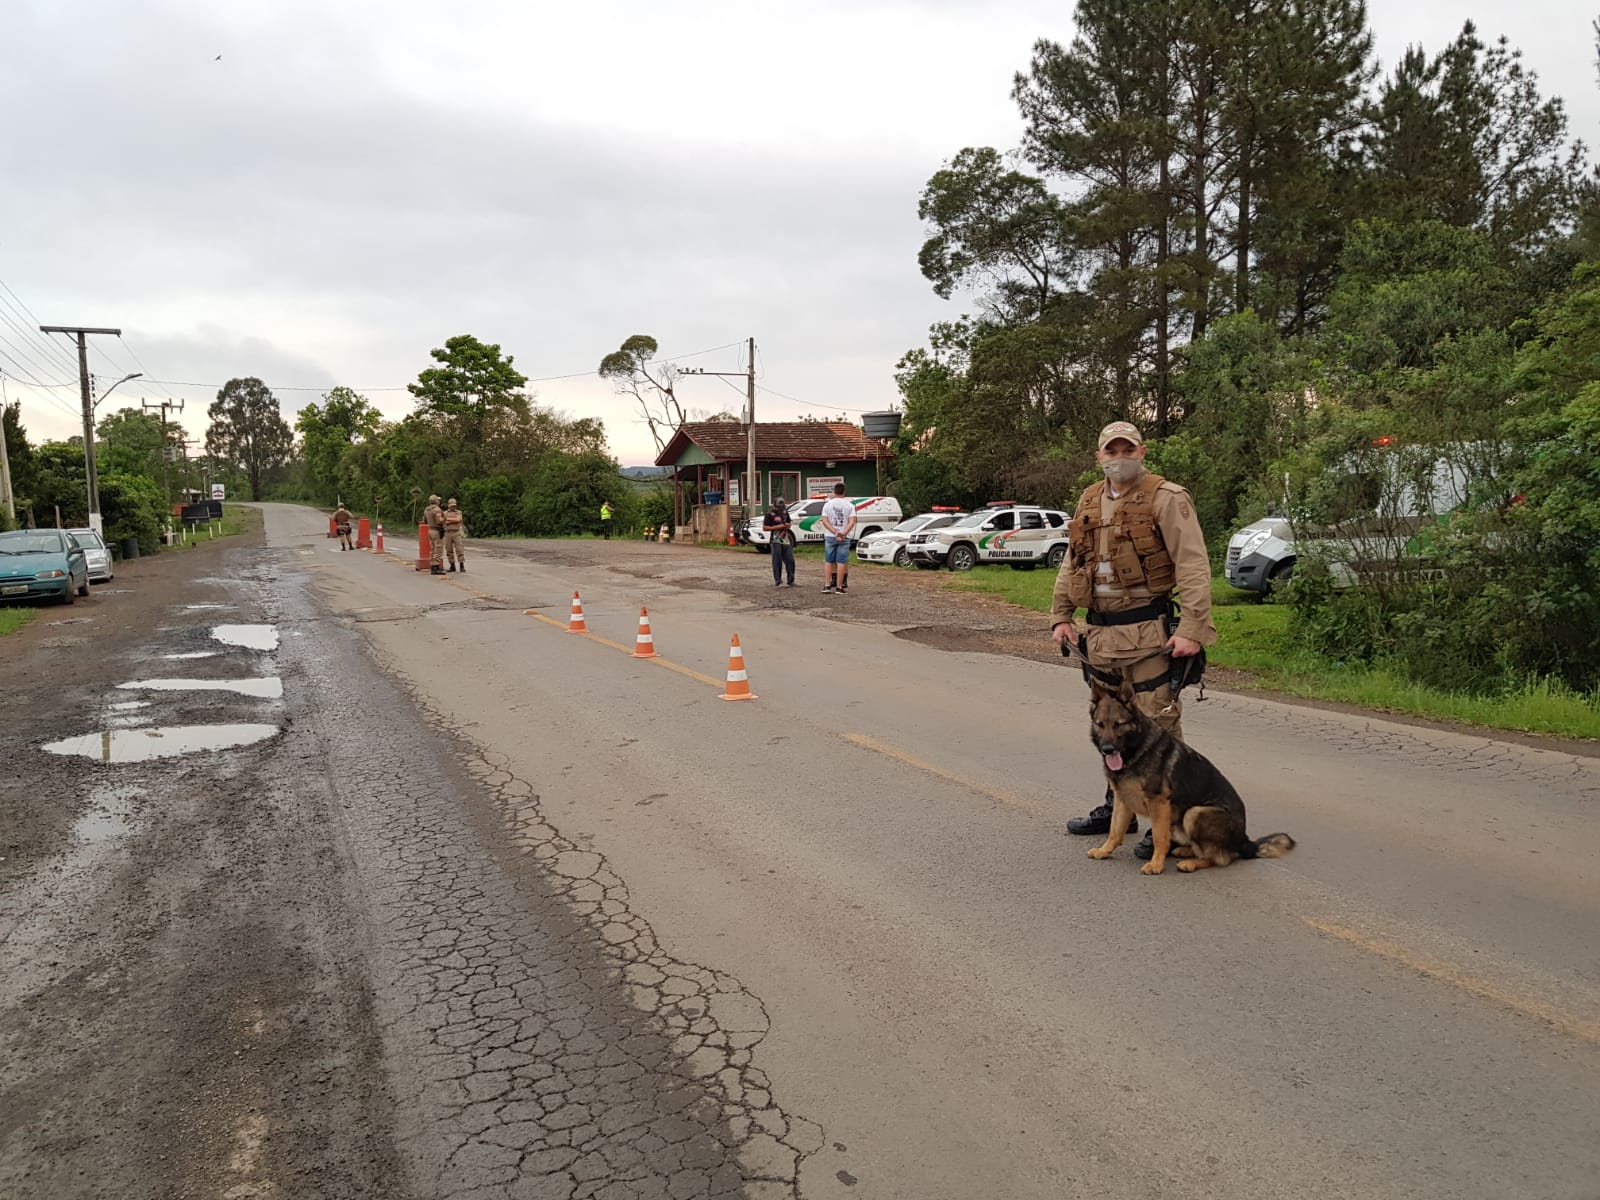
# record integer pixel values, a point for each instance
(42, 562)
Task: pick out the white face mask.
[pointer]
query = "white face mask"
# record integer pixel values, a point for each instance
(1122, 470)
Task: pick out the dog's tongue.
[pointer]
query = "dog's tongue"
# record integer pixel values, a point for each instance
(1113, 762)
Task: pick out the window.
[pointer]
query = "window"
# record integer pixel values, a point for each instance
(1032, 520)
(1004, 520)
(785, 484)
(1057, 520)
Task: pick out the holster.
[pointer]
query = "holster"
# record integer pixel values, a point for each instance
(1184, 671)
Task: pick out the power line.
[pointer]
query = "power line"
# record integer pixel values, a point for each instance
(811, 403)
(31, 325)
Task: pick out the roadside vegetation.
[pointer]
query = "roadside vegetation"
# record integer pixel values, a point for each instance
(14, 618)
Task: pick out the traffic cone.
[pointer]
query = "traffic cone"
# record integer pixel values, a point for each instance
(738, 680)
(575, 622)
(644, 645)
(379, 546)
(732, 541)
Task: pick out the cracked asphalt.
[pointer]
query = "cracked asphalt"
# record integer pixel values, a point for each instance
(500, 912)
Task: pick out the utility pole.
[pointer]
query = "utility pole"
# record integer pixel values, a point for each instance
(751, 502)
(6, 497)
(749, 374)
(166, 450)
(95, 522)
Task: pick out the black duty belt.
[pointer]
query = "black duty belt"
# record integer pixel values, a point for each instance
(1153, 611)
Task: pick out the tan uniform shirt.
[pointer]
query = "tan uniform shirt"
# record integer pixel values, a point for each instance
(343, 517)
(1179, 529)
(433, 517)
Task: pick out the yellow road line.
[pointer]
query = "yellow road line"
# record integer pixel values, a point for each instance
(628, 650)
(910, 760)
(1433, 968)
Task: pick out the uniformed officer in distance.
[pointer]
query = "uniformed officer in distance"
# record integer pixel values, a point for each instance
(1134, 540)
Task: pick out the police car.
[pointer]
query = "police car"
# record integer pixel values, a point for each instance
(1021, 535)
(889, 545)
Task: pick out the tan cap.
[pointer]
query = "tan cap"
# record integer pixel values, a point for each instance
(1120, 429)
(433, 499)
(452, 503)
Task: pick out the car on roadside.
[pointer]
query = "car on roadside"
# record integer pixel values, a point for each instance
(1020, 535)
(889, 545)
(42, 563)
(96, 553)
(873, 515)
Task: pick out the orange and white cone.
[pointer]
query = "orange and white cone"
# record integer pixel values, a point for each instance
(738, 680)
(575, 622)
(644, 646)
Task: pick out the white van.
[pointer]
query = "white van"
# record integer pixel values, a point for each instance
(874, 514)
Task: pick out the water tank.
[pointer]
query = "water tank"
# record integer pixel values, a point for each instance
(881, 424)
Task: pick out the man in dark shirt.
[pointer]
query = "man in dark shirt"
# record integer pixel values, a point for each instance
(780, 534)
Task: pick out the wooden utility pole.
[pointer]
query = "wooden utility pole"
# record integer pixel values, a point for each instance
(166, 451)
(6, 497)
(752, 501)
(95, 523)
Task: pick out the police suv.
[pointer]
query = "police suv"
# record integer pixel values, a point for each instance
(1003, 531)
(889, 545)
(873, 515)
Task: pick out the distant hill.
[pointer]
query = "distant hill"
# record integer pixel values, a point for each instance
(647, 472)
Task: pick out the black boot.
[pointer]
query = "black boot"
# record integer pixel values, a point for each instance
(435, 570)
(1098, 822)
(463, 568)
(1146, 849)
(452, 569)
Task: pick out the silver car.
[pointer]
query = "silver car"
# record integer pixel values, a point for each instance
(96, 552)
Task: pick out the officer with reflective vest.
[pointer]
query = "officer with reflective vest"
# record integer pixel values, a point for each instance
(1134, 540)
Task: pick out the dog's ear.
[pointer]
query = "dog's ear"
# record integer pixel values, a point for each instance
(1125, 692)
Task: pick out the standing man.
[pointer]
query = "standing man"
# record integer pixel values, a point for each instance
(605, 519)
(433, 518)
(838, 519)
(1134, 540)
(455, 533)
(341, 525)
(780, 536)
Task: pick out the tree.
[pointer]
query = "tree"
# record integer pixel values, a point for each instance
(247, 431)
(59, 482)
(1466, 138)
(133, 443)
(19, 454)
(473, 380)
(629, 368)
(994, 224)
(328, 430)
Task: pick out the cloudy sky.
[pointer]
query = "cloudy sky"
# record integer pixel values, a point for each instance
(351, 183)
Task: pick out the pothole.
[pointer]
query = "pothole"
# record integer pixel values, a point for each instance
(267, 687)
(141, 745)
(251, 637)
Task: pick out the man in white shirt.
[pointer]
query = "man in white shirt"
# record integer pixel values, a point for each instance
(838, 520)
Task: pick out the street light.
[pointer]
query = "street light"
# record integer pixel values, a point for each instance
(119, 383)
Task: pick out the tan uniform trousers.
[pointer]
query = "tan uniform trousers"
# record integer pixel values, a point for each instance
(436, 545)
(1158, 704)
(454, 546)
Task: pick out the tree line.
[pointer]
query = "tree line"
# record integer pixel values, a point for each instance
(1222, 221)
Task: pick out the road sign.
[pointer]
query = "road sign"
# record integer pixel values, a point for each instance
(218, 492)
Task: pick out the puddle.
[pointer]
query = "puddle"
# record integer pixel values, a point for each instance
(74, 621)
(140, 745)
(268, 687)
(192, 654)
(110, 816)
(199, 607)
(124, 705)
(251, 637)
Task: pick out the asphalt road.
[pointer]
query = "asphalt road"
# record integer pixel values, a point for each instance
(587, 930)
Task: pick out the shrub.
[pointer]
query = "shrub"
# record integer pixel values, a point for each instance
(132, 506)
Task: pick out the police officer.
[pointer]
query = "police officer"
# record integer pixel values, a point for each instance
(455, 533)
(1134, 540)
(605, 519)
(341, 525)
(433, 518)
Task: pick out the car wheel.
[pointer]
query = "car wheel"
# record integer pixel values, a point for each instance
(963, 557)
(1054, 559)
(70, 596)
(83, 588)
(1281, 575)
(901, 558)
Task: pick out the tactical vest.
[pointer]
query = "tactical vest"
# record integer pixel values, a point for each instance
(1137, 555)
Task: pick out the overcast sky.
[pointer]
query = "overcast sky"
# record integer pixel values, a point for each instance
(353, 182)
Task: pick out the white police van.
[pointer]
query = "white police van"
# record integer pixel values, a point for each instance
(1003, 531)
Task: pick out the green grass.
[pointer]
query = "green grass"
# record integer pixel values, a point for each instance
(1256, 638)
(235, 520)
(13, 619)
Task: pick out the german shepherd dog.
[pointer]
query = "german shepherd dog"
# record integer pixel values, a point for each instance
(1195, 814)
